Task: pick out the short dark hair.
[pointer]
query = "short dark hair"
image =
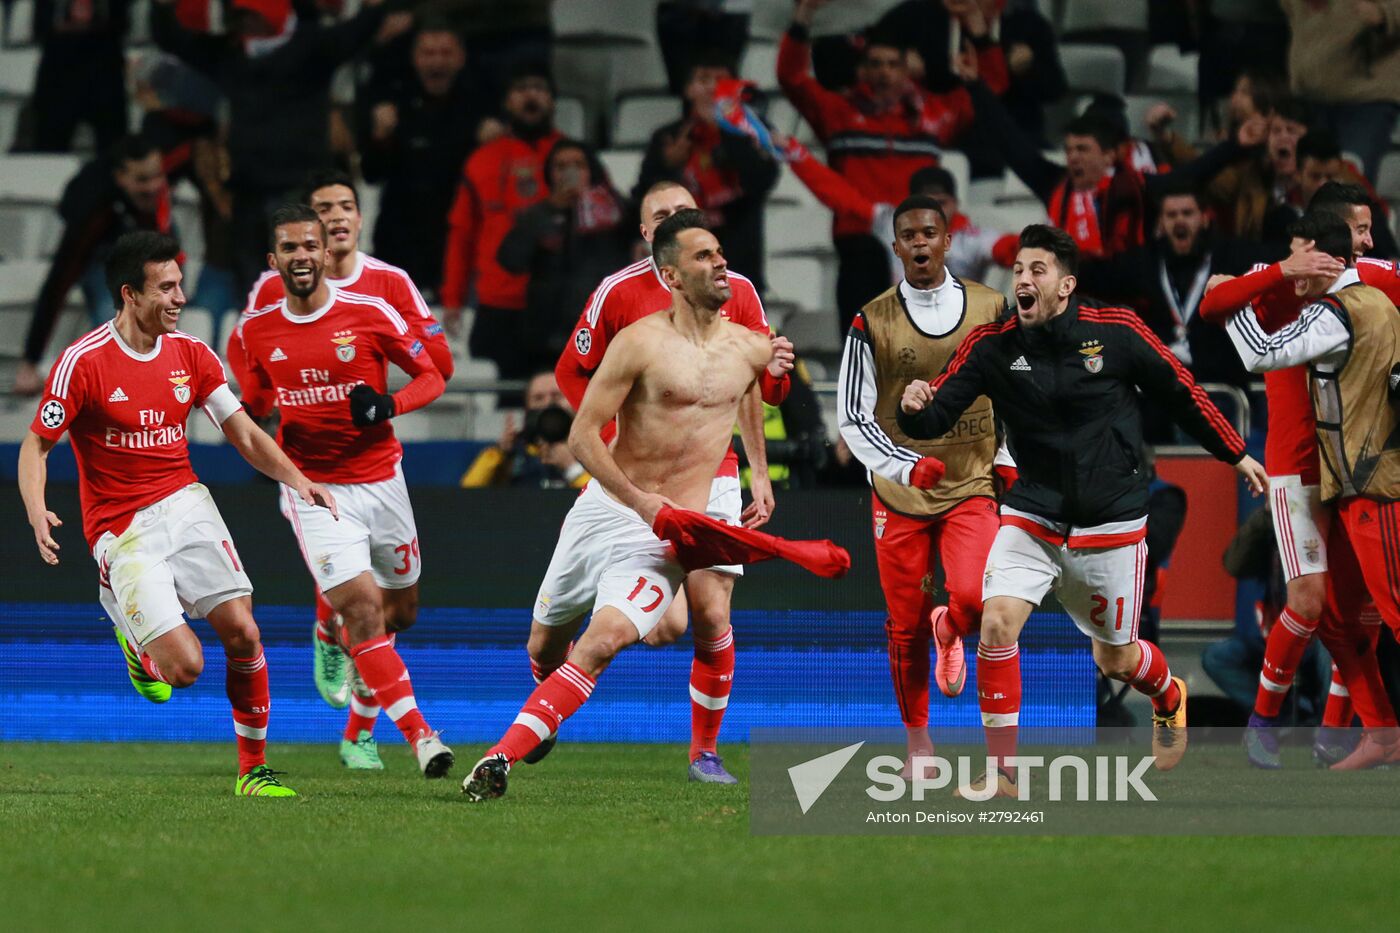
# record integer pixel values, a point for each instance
(1318, 144)
(1112, 110)
(434, 22)
(919, 202)
(324, 178)
(1330, 234)
(1266, 86)
(1178, 187)
(1338, 197)
(1055, 241)
(126, 264)
(1103, 132)
(292, 214)
(1293, 109)
(665, 242)
(130, 148)
(710, 57)
(933, 178)
(525, 70)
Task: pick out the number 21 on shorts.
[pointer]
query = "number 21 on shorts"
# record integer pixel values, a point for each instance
(644, 584)
(1100, 605)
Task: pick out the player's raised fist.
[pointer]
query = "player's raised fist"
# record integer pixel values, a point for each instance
(917, 395)
(926, 473)
(369, 407)
(783, 357)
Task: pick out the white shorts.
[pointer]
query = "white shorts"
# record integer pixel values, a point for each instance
(726, 505)
(1300, 525)
(176, 556)
(608, 556)
(375, 533)
(1100, 588)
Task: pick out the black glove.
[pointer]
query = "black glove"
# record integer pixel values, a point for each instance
(369, 407)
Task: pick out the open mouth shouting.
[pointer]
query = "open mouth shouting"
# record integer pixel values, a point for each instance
(339, 233)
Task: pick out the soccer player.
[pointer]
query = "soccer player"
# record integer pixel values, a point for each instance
(674, 382)
(1301, 522)
(918, 510)
(1064, 377)
(333, 197)
(620, 300)
(324, 352)
(125, 392)
(1348, 334)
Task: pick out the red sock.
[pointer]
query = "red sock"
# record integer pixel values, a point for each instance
(1154, 679)
(1339, 711)
(325, 620)
(383, 672)
(246, 683)
(711, 679)
(148, 664)
(909, 664)
(1288, 639)
(553, 701)
(999, 696)
(364, 708)
(1362, 677)
(541, 671)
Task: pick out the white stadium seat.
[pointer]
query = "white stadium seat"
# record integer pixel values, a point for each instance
(624, 167)
(801, 230)
(199, 323)
(799, 280)
(813, 331)
(1170, 69)
(19, 28)
(570, 118)
(1096, 15)
(760, 64)
(1185, 105)
(1388, 177)
(1094, 68)
(587, 21)
(640, 115)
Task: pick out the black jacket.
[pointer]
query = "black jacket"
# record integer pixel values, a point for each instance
(1067, 393)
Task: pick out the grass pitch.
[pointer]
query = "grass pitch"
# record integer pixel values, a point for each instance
(150, 837)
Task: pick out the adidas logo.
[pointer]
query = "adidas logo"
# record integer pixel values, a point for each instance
(277, 355)
(117, 395)
(1020, 366)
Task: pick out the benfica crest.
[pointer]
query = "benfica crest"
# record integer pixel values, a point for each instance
(180, 380)
(344, 345)
(1093, 357)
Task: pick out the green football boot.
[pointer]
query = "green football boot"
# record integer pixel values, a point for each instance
(361, 754)
(329, 665)
(154, 690)
(261, 782)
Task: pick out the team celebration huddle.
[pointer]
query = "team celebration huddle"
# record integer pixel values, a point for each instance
(1003, 442)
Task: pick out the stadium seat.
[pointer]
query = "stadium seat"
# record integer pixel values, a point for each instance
(1388, 177)
(1170, 69)
(570, 118)
(958, 166)
(1185, 105)
(17, 69)
(199, 323)
(624, 167)
(634, 68)
(19, 23)
(760, 64)
(30, 187)
(1101, 15)
(640, 115)
(791, 191)
(797, 230)
(813, 332)
(798, 280)
(587, 22)
(1094, 68)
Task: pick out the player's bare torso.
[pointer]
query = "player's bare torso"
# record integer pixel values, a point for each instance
(677, 422)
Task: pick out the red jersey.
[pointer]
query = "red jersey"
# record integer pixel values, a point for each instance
(626, 297)
(311, 362)
(1290, 444)
(126, 413)
(369, 277)
(499, 180)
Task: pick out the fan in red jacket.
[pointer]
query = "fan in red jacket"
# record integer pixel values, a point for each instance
(623, 299)
(499, 180)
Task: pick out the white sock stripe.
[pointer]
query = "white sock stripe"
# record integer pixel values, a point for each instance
(719, 644)
(1166, 685)
(251, 667)
(1146, 661)
(363, 709)
(997, 720)
(577, 678)
(1337, 690)
(708, 702)
(997, 652)
(1296, 625)
(1272, 686)
(400, 708)
(535, 724)
(248, 732)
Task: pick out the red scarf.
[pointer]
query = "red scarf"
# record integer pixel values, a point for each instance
(701, 541)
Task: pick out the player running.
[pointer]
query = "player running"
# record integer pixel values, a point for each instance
(125, 392)
(333, 197)
(1348, 334)
(1064, 377)
(324, 352)
(918, 510)
(674, 382)
(1301, 522)
(622, 299)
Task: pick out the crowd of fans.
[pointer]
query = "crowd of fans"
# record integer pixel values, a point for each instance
(489, 206)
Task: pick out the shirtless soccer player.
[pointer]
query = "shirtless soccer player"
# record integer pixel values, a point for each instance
(325, 351)
(124, 392)
(622, 299)
(674, 381)
(333, 197)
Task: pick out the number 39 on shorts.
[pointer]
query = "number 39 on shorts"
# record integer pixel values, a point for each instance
(409, 553)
